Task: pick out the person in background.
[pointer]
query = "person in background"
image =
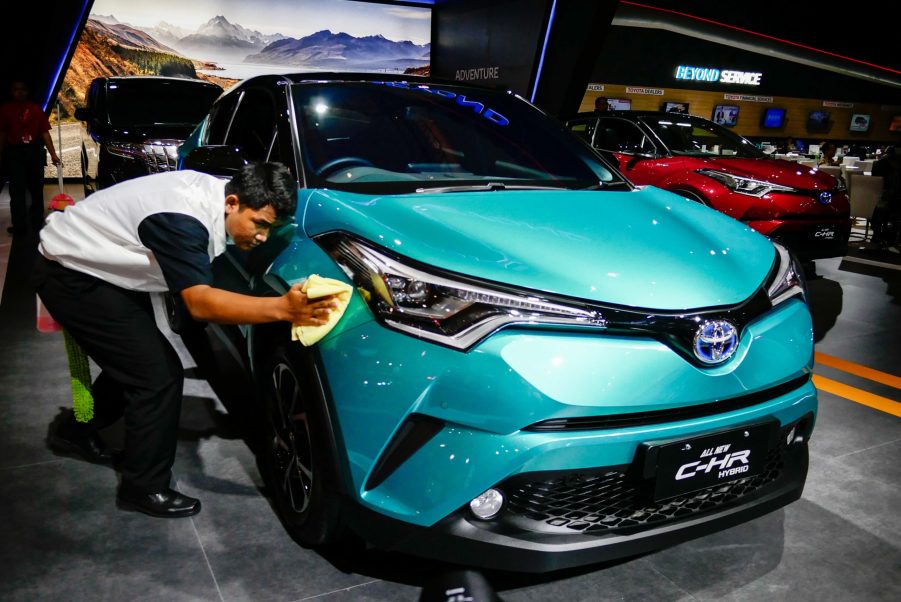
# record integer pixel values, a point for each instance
(601, 105)
(888, 210)
(858, 150)
(827, 154)
(24, 132)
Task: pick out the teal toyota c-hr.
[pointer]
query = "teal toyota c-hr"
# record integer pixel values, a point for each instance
(541, 365)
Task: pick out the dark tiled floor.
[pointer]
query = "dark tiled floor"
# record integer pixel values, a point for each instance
(64, 540)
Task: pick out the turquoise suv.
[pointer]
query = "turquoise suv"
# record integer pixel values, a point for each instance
(541, 366)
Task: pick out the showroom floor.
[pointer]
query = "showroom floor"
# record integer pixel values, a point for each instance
(64, 540)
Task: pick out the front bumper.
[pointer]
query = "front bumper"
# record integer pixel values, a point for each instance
(809, 239)
(575, 518)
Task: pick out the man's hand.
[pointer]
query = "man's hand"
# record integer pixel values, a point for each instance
(209, 304)
(54, 158)
(307, 312)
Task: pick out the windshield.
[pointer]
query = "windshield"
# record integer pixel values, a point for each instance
(156, 102)
(696, 137)
(379, 137)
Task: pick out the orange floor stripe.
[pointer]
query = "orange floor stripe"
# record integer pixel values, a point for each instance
(856, 369)
(877, 402)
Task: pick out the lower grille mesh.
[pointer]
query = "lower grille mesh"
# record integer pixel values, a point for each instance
(604, 503)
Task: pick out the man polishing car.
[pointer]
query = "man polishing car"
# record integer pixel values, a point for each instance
(99, 260)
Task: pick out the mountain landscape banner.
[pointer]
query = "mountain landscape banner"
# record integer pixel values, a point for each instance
(225, 41)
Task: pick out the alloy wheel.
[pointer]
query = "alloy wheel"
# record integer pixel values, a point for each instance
(291, 443)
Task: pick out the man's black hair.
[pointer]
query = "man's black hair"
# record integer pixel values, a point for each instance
(260, 184)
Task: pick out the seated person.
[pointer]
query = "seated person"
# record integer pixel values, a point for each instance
(827, 154)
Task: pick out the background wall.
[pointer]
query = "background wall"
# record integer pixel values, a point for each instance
(702, 103)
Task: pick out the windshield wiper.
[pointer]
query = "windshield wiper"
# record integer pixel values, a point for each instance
(489, 187)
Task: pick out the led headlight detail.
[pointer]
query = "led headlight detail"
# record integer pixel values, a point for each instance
(451, 312)
(749, 186)
(788, 281)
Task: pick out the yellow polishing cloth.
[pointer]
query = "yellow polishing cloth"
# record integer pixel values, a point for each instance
(317, 287)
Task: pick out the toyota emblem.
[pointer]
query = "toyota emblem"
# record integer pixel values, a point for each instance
(715, 341)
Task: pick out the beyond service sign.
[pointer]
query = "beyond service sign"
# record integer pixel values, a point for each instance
(711, 74)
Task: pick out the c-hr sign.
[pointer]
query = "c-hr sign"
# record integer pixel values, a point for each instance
(711, 74)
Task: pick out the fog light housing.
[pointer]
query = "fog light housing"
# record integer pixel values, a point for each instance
(487, 505)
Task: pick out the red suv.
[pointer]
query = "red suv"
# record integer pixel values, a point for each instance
(805, 209)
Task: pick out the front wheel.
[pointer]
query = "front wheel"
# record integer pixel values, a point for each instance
(297, 460)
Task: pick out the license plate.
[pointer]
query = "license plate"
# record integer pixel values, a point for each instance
(825, 233)
(693, 464)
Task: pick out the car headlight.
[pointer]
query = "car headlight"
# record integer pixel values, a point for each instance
(788, 278)
(743, 185)
(443, 308)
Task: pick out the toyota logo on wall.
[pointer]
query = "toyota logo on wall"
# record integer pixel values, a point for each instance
(715, 341)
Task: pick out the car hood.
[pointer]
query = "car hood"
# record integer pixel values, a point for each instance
(644, 248)
(786, 173)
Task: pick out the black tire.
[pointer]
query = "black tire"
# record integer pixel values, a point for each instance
(297, 458)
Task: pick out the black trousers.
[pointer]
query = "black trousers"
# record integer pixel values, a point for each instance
(25, 164)
(141, 376)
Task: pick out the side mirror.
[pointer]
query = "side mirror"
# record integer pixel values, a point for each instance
(215, 160)
(84, 114)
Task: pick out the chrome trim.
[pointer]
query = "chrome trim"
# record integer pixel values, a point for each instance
(232, 118)
(295, 142)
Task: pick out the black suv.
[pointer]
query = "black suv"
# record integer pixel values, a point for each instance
(136, 124)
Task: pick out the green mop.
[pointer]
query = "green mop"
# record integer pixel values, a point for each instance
(80, 379)
(79, 368)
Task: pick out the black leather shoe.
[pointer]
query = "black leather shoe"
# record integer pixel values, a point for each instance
(167, 503)
(89, 447)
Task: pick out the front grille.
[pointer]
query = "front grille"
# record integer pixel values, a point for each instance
(610, 502)
(160, 155)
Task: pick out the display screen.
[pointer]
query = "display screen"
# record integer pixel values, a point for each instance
(619, 104)
(773, 118)
(725, 115)
(675, 107)
(818, 121)
(895, 125)
(859, 123)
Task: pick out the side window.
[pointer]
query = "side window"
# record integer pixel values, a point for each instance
(583, 129)
(221, 118)
(253, 127)
(621, 136)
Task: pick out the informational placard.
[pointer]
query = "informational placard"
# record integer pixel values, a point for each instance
(838, 104)
(648, 91)
(595, 87)
(748, 97)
